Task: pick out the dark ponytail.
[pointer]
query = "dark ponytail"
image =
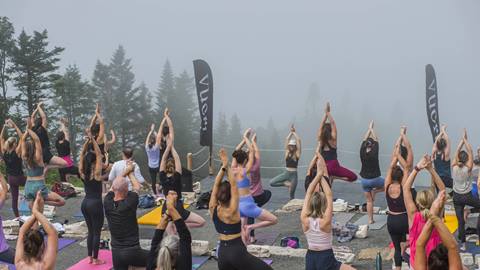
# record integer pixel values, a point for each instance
(89, 159)
(33, 244)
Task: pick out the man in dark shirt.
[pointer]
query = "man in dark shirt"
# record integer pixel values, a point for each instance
(121, 211)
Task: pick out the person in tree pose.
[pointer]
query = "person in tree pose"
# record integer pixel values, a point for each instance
(327, 138)
(316, 219)
(10, 152)
(31, 153)
(7, 254)
(260, 196)
(171, 251)
(166, 127)
(242, 162)
(418, 209)
(31, 251)
(372, 181)
(62, 145)
(153, 155)
(39, 126)
(441, 157)
(92, 205)
(462, 186)
(225, 213)
(293, 150)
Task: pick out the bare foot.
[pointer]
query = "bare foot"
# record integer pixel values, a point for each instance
(98, 261)
(371, 221)
(91, 260)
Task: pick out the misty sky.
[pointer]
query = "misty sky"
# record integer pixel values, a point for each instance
(265, 54)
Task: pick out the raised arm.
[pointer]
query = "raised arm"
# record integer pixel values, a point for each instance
(306, 202)
(218, 180)
(299, 145)
(255, 147)
(407, 193)
(147, 140)
(2, 138)
(4, 189)
(98, 159)
(101, 132)
(14, 126)
(110, 142)
(163, 162)
(447, 141)
(42, 115)
(64, 129)
(312, 164)
(178, 161)
(388, 176)
(169, 123)
(81, 163)
(469, 149)
(242, 142)
(251, 153)
(160, 133)
(131, 176)
(457, 151)
(235, 197)
(19, 251)
(408, 145)
(38, 146)
(454, 260)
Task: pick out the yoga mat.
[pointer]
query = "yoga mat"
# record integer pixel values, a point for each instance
(78, 214)
(268, 261)
(103, 254)
(342, 218)
(153, 217)
(451, 222)
(266, 238)
(380, 221)
(197, 262)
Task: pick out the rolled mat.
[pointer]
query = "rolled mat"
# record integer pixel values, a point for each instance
(153, 217)
(105, 255)
(451, 222)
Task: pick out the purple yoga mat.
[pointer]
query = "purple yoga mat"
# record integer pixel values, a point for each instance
(268, 261)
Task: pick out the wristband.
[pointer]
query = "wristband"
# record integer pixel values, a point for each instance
(224, 169)
(417, 169)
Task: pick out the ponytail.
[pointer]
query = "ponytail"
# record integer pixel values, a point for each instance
(168, 253)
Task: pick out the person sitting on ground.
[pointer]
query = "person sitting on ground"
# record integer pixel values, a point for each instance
(242, 162)
(119, 167)
(7, 254)
(441, 157)
(39, 126)
(171, 179)
(316, 219)
(31, 152)
(260, 196)
(120, 207)
(62, 145)
(327, 138)
(417, 210)
(462, 186)
(289, 178)
(153, 156)
(31, 251)
(11, 155)
(171, 252)
(372, 181)
(224, 210)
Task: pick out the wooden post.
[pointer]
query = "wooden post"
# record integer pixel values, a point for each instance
(210, 165)
(189, 161)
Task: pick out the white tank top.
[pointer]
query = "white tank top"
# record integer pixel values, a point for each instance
(317, 239)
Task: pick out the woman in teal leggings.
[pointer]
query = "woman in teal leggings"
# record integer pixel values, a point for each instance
(289, 177)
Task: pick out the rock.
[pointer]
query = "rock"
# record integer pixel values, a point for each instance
(293, 205)
(371, 253)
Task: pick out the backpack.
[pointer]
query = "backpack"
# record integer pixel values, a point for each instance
(64, 190)
(204, 200)
(146, 201)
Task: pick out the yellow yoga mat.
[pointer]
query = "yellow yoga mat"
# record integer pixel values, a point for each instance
(153, 217)
(451, 222)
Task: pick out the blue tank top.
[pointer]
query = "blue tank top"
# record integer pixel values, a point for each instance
(245, 182)
(442, 167)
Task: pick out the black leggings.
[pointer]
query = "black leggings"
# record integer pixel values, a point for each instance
(125, 257)
(459, 202)
(397, 226)
(260, 200)
(233, 255)
(153, 178)
(72, 170)
(92, 210)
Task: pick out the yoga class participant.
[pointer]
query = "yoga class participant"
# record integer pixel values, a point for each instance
(166, 128)
(7, 254)
(327, 138)
(224, 210)
(153, 156)
(118, 168)
(10, 152)
(62, 145)
(289, 178)
(441, 157)
(316, 219)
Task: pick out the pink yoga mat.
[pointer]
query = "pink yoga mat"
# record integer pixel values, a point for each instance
(105, 255)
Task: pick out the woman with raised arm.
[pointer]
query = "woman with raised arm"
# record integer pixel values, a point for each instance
(92, 205)
(98, 129)
(166, 128)
(248, 208)
(7, 254)
(441, 157)
(462, 186)
(31, 153)
(327, 138)
(289, 177)
(445, 255)
(153, 155)
(10, 153)
(172, 251)
(62, 145)
(39, 126)
(260, 196)
(171, 179)
(418, 209)
(31, 251)
(316, 218)
(397, 219)
(372, 181)
(224, 210)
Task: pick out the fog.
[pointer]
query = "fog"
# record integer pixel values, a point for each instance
(366, 57)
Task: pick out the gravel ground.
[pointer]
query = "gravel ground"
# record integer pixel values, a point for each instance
(288, 225)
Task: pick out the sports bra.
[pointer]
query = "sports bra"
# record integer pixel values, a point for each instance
(34, 172)
(245, 182)
(291, 162)
(395, 205)
(330, 154)
(224, 228)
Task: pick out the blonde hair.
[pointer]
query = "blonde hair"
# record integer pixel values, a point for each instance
(168, 253)
(424, 201)
(317, 205)
(10, 144)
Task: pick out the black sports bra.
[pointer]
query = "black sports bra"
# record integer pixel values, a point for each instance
(291, 162)
(395, 204)
(224, 228)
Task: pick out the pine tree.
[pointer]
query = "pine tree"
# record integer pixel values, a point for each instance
(34, 66)
(76, 100)
(165, 90)
(235, 131)
(103, 85)
(221, 130)
(6, 45)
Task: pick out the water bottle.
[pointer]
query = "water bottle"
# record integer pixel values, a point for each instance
(378, 261)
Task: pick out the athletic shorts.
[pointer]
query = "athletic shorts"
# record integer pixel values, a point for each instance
(31, 188)
(374, 183)
(248, 207)
(69, 161)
